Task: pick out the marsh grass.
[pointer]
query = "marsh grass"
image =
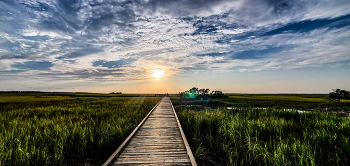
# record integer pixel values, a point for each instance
(66, 130)
(320, 102)
(266, 137)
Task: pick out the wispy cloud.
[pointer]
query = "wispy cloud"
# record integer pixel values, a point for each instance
(121, 40)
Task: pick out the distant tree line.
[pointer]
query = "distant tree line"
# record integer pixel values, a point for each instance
(46, 92)
(115, 93)
(22, 92)
(338, 94)
(203, 94)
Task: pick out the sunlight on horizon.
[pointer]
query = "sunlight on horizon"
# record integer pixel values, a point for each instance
(157, 72)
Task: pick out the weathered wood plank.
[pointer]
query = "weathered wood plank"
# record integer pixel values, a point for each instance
(152, 157)
(154, 152)
(156, 164)
(158, 141)
(154, 161)
(151, 150)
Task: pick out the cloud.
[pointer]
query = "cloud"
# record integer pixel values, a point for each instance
(85, 74)
(32, 65)
(112, 64)
(79, 53)
(309, 25)
(261, 53)
(127, 39)
(318, 49)
(188, 7)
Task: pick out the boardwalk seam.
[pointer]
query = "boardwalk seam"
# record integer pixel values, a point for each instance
(189, 152)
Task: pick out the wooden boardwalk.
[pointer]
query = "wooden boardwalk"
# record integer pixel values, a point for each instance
(157, 140)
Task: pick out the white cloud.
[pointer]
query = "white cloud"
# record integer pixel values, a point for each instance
(51, 34)
(232, 32)
(155, 39)
(326, 9)
(329, 49)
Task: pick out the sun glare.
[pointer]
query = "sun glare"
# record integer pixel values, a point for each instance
(157, 72)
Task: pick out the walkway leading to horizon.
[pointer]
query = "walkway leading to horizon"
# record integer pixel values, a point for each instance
(157, 140)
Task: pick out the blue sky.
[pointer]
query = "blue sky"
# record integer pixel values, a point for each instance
(243, 46)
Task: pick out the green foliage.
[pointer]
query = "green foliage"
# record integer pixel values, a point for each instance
(201, 94)
(295, 101)
(192, 93)
(266, 137)
(338, 94)
(218, 94)
(48, 129)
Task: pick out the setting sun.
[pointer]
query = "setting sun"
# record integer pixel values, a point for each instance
(157, 72)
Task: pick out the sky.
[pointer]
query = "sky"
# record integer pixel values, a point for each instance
(169, 46)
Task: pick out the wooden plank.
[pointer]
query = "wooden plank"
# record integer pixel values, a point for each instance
(159, 140)
(188, 148)
(152, 150)
(155, 152)
(112, 157)
(155, 164)
(134, 158)
(154, 161)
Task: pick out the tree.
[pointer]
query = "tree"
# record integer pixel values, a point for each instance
(194, 90)
(195, 93)
(216, 93)
(203, 92)
(338, 94)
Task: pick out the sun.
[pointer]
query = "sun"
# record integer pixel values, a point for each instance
(157, 72)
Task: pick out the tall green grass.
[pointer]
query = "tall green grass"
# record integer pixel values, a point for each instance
(266, 137)
(72, 131)
(295, 101)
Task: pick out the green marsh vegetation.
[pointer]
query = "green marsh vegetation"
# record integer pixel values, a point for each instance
(66, 129)
(269, 135)
(313, 102)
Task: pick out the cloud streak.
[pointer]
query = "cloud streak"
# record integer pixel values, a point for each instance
(125, 40)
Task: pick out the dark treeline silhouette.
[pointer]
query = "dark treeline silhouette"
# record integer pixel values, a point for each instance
(115, 93)
(47, 92)
(338, 94)
(23, 92)
(202, 94)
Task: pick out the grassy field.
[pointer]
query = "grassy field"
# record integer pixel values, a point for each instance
(305, 102)
(266, 137)
(79, 129)
(66, 129)
(259, 131)
(295, 101)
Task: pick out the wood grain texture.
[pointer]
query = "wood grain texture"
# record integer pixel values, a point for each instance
(158, 141)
